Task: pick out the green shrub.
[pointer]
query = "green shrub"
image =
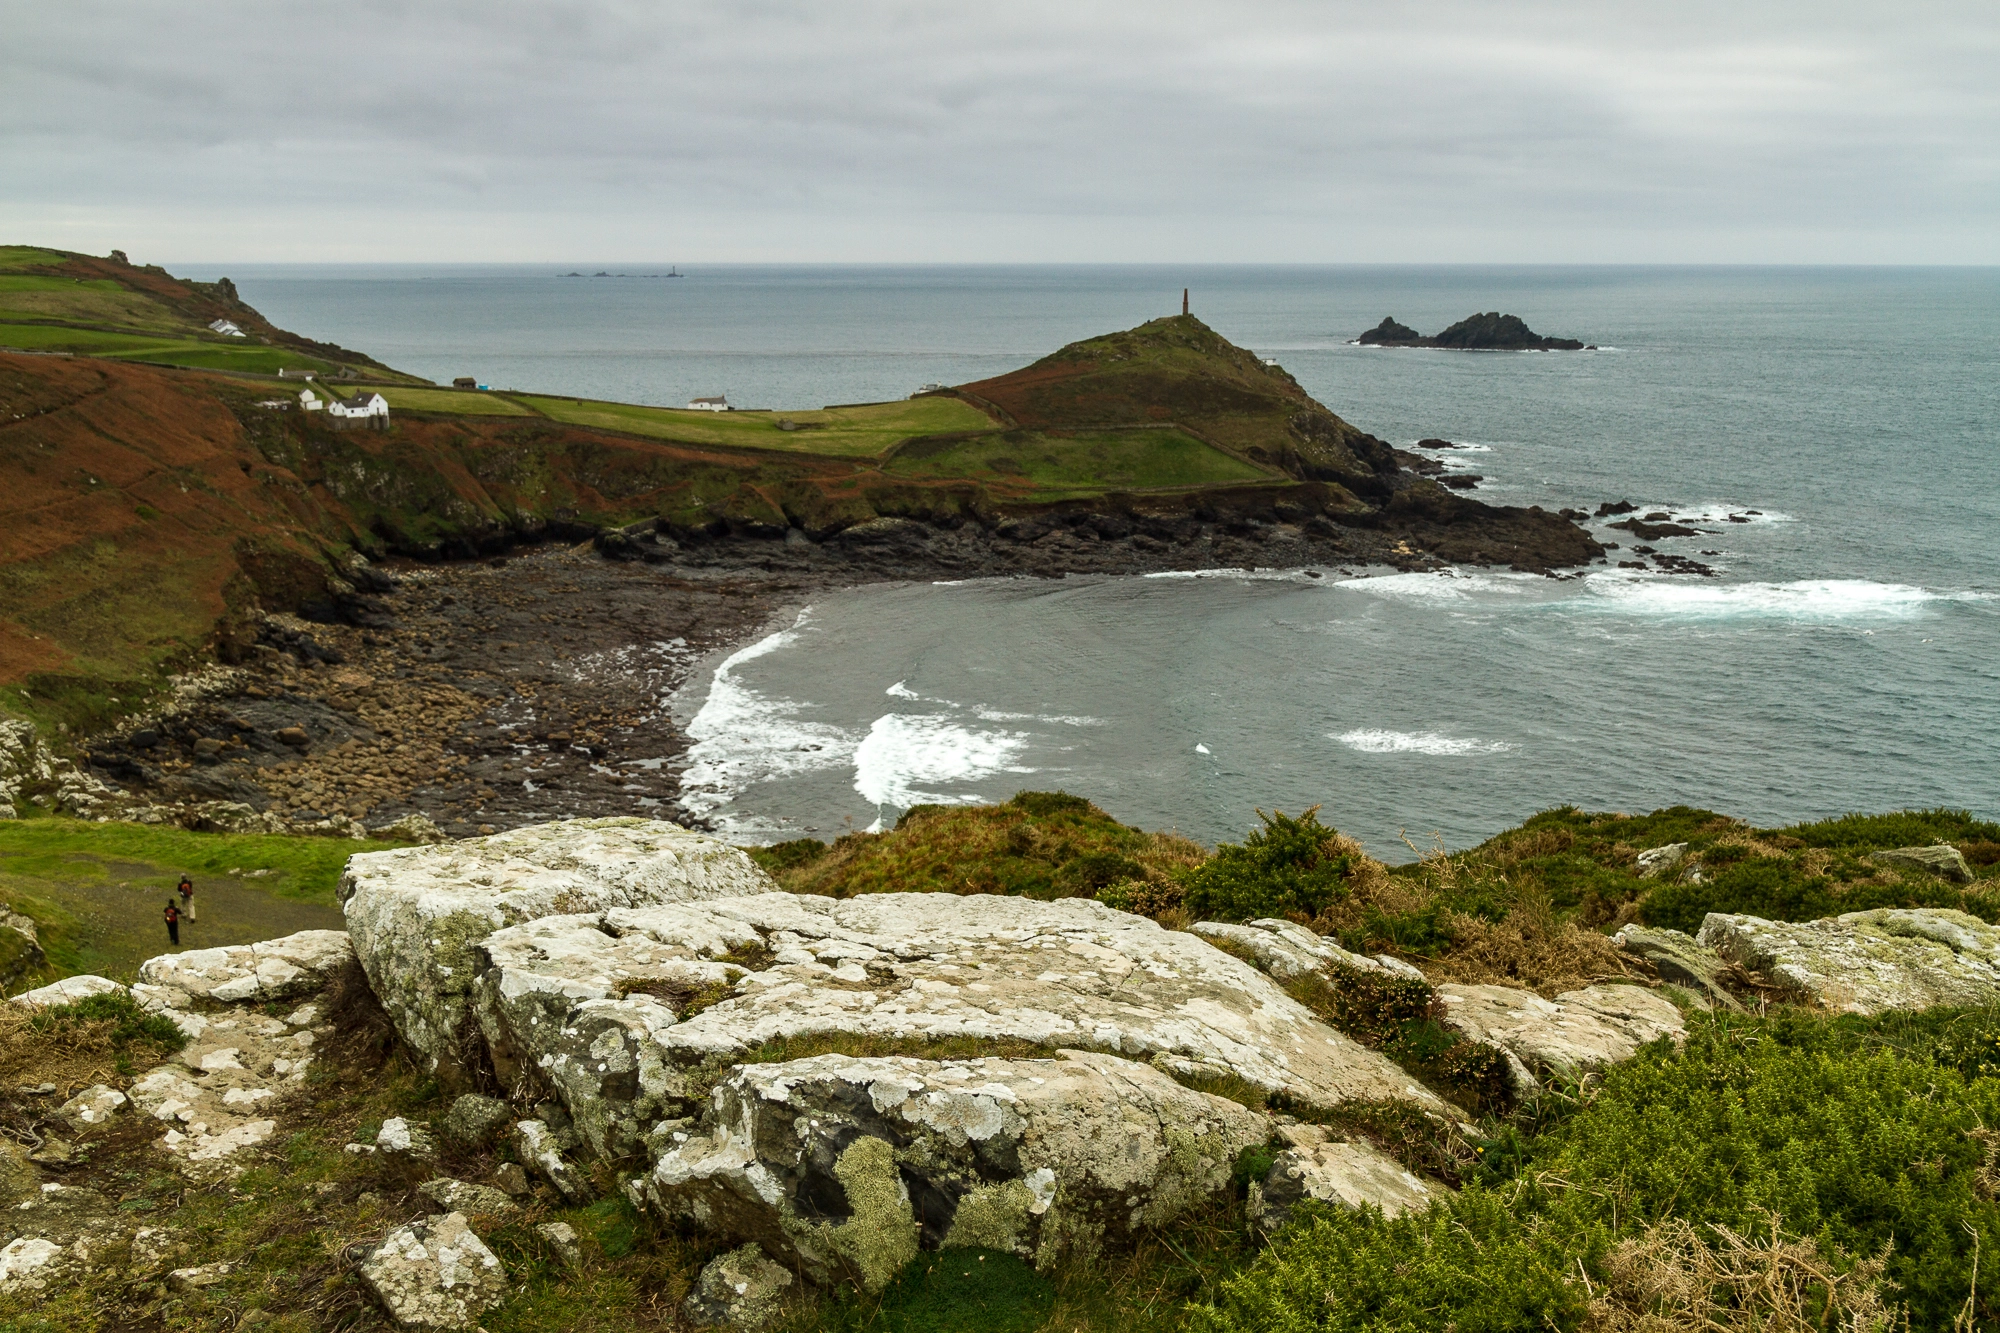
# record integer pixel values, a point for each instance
(1401, 1017)
(1292, 867)
(1037, 845)
(1471, 1266)
(112, 1021)
(1863, 1134)
(1901, 828)
(1782, 889)
(782, 856)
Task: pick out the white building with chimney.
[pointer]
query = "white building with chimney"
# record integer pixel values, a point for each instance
(716, 404)
(363, 409)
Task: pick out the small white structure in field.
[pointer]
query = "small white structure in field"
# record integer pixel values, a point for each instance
(287, 373)
(309, 401)
(227, 328)
(716, 404)
(363, 409)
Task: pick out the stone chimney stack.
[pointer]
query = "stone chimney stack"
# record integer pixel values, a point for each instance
(1184, 292)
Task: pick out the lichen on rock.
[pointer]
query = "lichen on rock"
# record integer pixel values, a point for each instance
(849, 1166)
(418, 913)
(1867, 962)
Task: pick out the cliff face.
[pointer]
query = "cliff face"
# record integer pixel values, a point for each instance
(147, 514)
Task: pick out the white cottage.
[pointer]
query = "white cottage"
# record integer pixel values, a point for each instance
(363, 409)
(309, 401)
(709, 405)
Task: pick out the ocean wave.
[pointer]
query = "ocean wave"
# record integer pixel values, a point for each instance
(1444, 585)
(1370, 740)
(742, 737)
(1261, 574)
(903, 750)
(1804, 599)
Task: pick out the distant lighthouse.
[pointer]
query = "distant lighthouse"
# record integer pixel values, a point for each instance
(1184, 292)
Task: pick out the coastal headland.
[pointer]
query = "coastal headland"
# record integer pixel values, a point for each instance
(214, 600)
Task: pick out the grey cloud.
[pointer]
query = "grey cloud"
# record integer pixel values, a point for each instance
(1333, 131)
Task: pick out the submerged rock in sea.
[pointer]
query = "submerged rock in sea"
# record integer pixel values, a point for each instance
(418, 914)
(847, 1167)
(1867, 962)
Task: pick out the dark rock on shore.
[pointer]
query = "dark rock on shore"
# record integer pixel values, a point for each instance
(1648, 532)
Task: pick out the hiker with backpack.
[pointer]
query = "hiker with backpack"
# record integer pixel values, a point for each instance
(187, 898)
(173, 924)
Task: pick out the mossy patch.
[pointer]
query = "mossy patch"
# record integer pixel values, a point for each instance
(957, 1290)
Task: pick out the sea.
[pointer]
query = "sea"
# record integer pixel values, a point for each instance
(1833, 433)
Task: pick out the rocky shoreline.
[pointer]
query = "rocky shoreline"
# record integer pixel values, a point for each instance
(469, 697)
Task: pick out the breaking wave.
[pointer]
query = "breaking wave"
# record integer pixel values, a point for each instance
(1369, 740)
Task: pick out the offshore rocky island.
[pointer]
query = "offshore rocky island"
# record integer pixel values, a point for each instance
(459, 1042)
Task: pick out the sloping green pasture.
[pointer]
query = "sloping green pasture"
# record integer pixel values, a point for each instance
(865, 431)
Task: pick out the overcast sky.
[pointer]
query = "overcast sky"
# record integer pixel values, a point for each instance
(1027, 130)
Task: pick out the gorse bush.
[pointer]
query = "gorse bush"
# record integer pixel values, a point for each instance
(1850, 1132)
(1292, 867)
(1037, 845)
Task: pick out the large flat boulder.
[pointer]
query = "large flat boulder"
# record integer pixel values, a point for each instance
(1867, 962)
(847, 1167)
(417, 914)
(1578, 1031)
(280, 969)
(618, 1011)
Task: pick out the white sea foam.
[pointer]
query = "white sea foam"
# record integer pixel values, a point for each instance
(742, 737)
(1805, 599)
(1370, 740)
(903, 750)
(1259, 575)
(1445, 585)
(901, 691)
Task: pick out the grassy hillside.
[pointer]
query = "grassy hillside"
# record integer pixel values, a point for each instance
(865, 431)
(1178, 370)
(56, 301)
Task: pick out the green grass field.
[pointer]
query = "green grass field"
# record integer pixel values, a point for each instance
(451, 400)
(1083, 463)
(97, 891)
(253, 358)
(27, 256)
(848, 432)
